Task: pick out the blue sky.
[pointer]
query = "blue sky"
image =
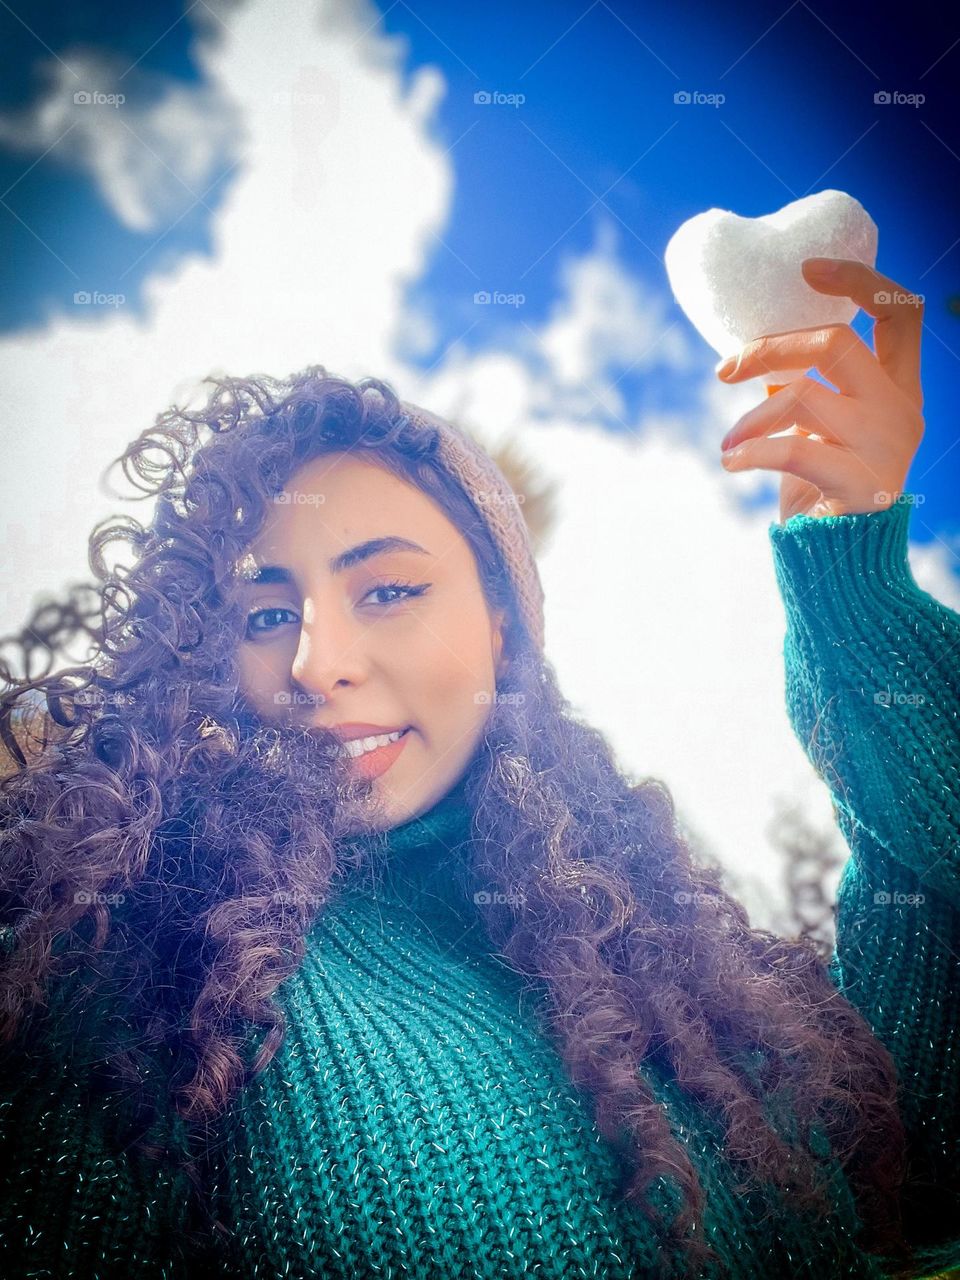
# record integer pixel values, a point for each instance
(326, 189)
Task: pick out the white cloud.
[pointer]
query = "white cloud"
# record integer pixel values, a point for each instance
(151, 145)
(931, 563)
(663, 616)
(605, 323)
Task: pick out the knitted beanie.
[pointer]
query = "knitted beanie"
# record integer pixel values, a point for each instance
(468, 463)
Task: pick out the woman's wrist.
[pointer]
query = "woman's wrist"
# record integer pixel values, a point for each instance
(836, 563)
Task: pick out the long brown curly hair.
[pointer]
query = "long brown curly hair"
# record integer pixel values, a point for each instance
(151, 817)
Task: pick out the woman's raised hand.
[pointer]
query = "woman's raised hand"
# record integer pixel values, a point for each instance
(850, 450)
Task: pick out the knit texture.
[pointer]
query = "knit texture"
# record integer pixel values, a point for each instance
(415, 1121)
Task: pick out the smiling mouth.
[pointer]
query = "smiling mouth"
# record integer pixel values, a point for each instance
(358, 747)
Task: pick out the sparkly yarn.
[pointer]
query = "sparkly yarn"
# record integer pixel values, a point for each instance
(416, 1122)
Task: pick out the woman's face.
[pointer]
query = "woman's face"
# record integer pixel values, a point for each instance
(340, 632)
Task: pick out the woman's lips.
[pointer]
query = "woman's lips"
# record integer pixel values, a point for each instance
(372, 763)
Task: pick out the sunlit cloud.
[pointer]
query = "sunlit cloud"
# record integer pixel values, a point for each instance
(150, 144)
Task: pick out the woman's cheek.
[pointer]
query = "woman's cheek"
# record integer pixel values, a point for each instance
(260, 678)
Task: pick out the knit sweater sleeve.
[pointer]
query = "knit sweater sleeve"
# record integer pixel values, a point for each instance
(75, 1202)
(872, 667)
(873, 686)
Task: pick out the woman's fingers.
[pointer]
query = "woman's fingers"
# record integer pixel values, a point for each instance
(809, 405)
(833, 350)
(898, 313)
(831, 468)
(836, 351)
(838, 452)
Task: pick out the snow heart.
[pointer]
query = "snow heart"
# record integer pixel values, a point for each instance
(739, 278)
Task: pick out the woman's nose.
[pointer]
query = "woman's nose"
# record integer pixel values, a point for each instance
(328, 655)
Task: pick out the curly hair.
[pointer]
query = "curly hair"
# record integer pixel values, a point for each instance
(141, 774)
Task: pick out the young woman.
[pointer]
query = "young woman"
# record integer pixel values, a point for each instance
(338, 945)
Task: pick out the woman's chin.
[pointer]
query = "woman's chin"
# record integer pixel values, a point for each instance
(364, 809)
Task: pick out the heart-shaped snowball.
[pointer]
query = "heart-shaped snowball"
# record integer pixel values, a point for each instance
(739, 278)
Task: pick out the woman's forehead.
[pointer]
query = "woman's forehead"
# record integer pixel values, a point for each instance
(331, 516)
(353, 482)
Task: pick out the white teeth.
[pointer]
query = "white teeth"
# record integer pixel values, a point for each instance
(360, 746)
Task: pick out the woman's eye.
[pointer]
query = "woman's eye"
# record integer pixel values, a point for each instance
(408, 590)
(264, 620)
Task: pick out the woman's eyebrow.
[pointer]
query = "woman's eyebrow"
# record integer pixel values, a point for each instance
(274, 573)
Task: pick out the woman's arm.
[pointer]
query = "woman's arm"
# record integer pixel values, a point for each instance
(873, 694)
(873, 685)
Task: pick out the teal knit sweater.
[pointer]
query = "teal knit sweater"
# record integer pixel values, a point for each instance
(416, 1123)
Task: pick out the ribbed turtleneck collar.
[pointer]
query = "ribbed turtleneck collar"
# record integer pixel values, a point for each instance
(445, 822)
(417, 861)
